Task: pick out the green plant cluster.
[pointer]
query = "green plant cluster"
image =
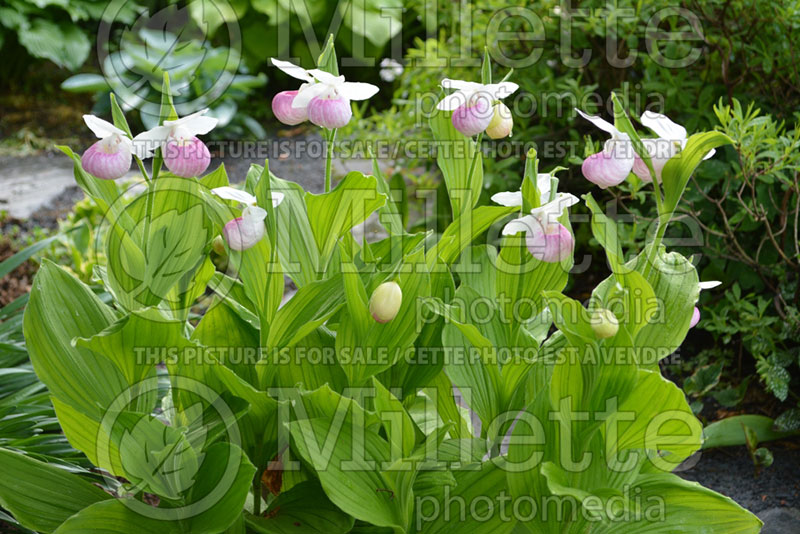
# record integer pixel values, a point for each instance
(199, 440)
(746, 55)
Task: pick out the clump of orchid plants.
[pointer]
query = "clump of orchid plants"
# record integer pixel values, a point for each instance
(404, 377)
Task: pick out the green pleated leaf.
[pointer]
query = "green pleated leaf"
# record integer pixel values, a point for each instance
(337, 212)
(304, 509)
(116, 517)
(42, 496)
(456, 154)
(62, 308)
(679, 168)
(677, 506)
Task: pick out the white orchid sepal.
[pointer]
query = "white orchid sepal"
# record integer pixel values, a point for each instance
(672, 138)
(514, 198)
(181, 130)
(329, 86)
(467, 92)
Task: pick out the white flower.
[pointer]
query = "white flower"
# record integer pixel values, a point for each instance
(246, 231)
(514, 198)
(107, 132)
(332, 87)
(391, 69)
(181, 130)
(468, 92)
(547, 239)
(671, 139)
(545, 217)
(110, 157)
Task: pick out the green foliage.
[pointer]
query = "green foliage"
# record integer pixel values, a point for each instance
(199, 438)
(748, 207)
(55, 30)
(202, 76)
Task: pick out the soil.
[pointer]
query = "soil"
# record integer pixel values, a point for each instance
(730, 471)
(17, 282)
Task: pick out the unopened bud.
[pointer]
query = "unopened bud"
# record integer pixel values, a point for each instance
(218, 245)
(385, 302)
(604, 323)
(502, 122)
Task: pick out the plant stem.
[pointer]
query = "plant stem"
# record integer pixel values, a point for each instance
(257, 496)
(473, 166)
(661, 228)
(331, 138)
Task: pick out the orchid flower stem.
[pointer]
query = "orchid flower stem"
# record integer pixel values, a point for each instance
(331, 139)
(661, 229)
(474, 163)
(140, 163)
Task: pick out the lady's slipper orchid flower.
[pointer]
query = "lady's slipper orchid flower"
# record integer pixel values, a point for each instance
(282, 103)
(547, 239)
(613, 164)
(385, 302)
(696, 312)
(328, 100)
(474, 106)
(671, 139)
(184, 154)
(514, 198)
(246, 231)
(109, 158)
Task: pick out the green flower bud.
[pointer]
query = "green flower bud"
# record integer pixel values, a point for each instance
(604, 323)
(385, 302)
(218, 245)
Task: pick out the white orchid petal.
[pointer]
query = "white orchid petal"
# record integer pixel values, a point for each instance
(551, 210)
(461, 85)
(526, 224)
(543, 185)
(508, 198)
(254, 214)
(663, 126)
(501, 90)
(146, 143)
(452, 102)
(231, 193)
(293, 70)
(600, 123)
(326, 77)
(357, 90)
(195, 124)
(710, 154)
(711, 284)
(277, 198)
(102, 128)
(308, 93)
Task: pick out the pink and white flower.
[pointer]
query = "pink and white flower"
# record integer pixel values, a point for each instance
(671, 140)
(324, 98)
(547, 239)
(696, 312)
(613, 164)
(282, 102)
(246, 231)
(474, 106)
(184, 154)
(109, 158)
